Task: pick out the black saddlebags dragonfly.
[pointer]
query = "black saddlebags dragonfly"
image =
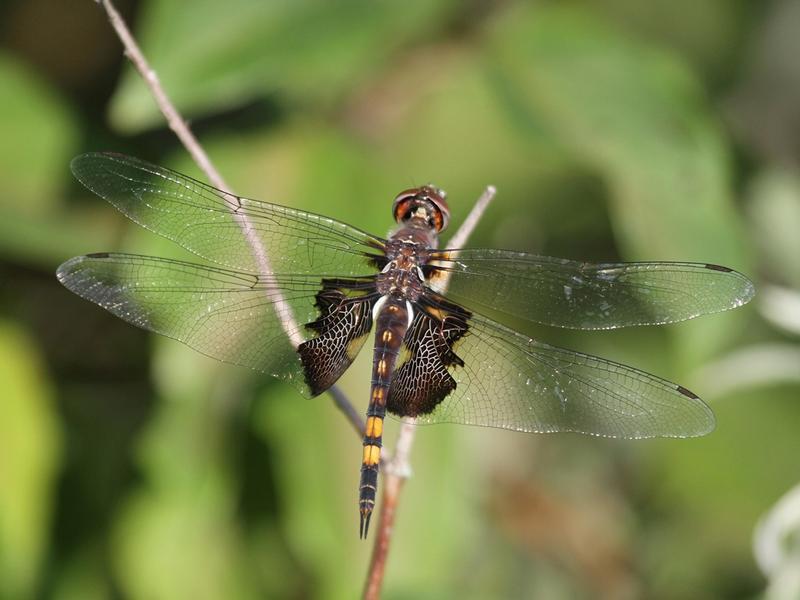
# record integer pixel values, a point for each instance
(295, 295)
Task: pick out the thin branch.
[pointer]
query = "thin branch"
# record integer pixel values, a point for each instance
(397, 469)
(343, 404)
(461, 236)
(171, 114)
(189, 141)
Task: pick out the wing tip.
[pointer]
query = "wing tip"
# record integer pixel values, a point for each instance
(67, 268)
(705, 421)
(747, 290)
(84, 168)
(79, 164)
(95, 169)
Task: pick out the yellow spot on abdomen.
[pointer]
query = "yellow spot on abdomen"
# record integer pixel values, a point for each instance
(387, 336)
(372, 455)
(382, 367)
(374, 427)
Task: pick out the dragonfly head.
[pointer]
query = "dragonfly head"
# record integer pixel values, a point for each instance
(426, 203)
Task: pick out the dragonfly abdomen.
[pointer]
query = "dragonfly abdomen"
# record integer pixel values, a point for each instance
(391, 323)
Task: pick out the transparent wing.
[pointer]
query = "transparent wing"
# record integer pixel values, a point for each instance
(513, 382)
(231, 316)
(578, 295)
(235, 232)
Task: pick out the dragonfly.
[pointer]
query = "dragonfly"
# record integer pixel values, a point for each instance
(295, 295)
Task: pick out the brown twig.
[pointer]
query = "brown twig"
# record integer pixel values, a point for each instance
(344, 405)
(198, 154)
(171, 114)
(461, 236)
(397, 469)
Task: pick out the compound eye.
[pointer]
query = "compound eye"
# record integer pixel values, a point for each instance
(441, 212)
(404, 203)
(427, 197)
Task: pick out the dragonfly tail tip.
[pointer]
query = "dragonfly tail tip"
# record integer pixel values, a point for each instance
(366, 515)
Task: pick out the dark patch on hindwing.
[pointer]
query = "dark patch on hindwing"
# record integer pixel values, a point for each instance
(343, 324)
(424, 379)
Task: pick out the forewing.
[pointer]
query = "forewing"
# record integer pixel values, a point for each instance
(234, 232)
(577, 295)
(231, 316)
(513, 382)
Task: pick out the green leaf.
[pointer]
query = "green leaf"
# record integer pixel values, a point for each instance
(42, 138)
(34, 163)
(29, 452)
(636, 116)
(176, 536)
(774, 210)
(212, 56)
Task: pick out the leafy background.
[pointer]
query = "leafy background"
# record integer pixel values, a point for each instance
(132, 467)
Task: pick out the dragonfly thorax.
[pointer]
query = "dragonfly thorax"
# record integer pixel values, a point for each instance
(401, 279)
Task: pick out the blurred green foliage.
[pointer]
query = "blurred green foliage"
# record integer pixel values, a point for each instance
(132, 467)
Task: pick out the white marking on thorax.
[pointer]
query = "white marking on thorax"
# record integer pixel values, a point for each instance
(410, 310)
(379, 306)
(376, 310)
